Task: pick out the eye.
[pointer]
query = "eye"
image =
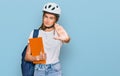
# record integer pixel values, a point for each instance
(51, 18)
(45, 16)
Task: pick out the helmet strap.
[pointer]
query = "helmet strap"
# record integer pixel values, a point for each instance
(49, 27)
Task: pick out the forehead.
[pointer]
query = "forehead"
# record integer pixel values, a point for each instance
(49, 15)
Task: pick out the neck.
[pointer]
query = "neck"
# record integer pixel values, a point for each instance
(49, 29)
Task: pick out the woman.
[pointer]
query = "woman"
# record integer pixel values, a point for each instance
(53, 36)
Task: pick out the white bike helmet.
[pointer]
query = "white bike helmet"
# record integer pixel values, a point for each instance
(52, 8)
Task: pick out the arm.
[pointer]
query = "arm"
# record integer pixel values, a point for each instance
(62, 34)
(29, 57)
(67, 40)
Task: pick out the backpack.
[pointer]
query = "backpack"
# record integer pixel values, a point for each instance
(26, 66)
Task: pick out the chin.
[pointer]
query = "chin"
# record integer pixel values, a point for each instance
(47, 25)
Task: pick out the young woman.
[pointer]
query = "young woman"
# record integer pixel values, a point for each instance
(53, 37)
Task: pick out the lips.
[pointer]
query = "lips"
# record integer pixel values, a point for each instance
(46, 24)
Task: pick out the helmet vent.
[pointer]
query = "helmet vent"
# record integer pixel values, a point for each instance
(45, 7)
(53, 8)
(49, 6)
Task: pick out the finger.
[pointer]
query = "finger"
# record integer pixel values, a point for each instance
(57, 27)
(37, 58)
(41, 57)
(57, 38)
(44, 56)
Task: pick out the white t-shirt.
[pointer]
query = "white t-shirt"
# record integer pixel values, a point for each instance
(51, 46)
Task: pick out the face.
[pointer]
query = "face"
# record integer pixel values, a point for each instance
(49, 19)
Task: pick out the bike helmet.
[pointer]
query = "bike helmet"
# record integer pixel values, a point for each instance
(52, 8)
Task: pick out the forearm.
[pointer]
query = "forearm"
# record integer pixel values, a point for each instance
(67, 40)
(30, 58)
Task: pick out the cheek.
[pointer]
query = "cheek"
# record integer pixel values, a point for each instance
(44, 19)
(52, 21)
(49, 21)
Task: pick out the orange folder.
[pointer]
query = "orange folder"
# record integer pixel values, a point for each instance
(36, 47)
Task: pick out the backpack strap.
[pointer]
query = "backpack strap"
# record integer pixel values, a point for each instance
(35, 33)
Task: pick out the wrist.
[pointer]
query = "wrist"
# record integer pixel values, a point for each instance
(36, 58)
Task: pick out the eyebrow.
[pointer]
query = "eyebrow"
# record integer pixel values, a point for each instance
(50, 16)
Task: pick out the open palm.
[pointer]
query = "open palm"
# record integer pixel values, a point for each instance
(62, 35)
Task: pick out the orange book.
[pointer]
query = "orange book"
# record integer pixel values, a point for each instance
(36, 47)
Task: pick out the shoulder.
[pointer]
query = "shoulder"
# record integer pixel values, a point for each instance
(34, 31)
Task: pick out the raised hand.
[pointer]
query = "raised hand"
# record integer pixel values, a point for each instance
(62, 34)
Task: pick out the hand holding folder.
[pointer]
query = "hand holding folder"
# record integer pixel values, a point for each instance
(37, 48)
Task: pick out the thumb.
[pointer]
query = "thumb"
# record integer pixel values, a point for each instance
(41, 55)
